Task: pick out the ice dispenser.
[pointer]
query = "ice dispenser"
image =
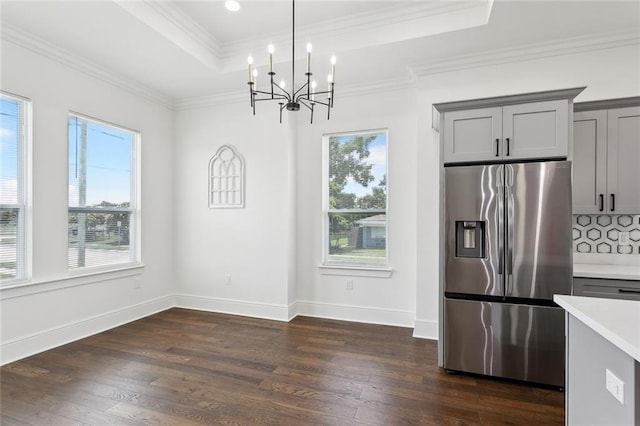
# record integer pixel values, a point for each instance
(470, 238)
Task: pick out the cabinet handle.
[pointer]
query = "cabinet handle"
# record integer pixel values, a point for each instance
(624, 290)
(497, 147)
(601, 202)
(507, 147)
(613, 202)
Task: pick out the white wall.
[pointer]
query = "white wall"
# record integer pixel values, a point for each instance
(608, 73)
(252, 244)
(373, 299)
(59, 309)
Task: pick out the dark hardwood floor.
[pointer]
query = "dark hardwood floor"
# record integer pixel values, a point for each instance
(183, 367)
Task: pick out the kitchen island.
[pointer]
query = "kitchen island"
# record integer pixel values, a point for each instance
(602, 360)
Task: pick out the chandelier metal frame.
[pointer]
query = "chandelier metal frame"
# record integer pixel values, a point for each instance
(306, 95)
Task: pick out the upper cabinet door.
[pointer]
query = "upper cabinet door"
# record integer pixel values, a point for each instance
(536, 130)
(589, 162)
(473, 135)
(623, 159)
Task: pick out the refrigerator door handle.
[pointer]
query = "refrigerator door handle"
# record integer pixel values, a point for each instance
(500, 239)
(508, 228)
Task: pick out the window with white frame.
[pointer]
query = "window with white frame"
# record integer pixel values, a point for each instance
(104, 212)
(355, 199)
(14, 132)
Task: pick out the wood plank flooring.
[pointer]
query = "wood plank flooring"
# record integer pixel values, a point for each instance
(184, 367)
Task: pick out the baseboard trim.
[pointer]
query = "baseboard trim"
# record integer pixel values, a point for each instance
(424, 329)
(23, 347)
(354, 313)
(270, 311)
(32, 344)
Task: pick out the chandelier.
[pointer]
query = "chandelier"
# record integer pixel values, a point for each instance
(306, 95)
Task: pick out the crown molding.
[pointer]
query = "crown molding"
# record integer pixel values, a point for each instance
(417, 20)
(173, 24)
(64, 57)
(226, 98)
(527, 52)
(205, 101)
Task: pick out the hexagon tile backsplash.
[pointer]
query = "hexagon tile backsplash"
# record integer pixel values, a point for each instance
(599, 233)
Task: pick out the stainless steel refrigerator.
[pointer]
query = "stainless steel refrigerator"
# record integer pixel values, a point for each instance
(507, 252)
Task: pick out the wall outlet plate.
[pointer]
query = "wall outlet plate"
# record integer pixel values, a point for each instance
(615, 386)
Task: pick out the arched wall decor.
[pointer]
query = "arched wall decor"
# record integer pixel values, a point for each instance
(226, 179)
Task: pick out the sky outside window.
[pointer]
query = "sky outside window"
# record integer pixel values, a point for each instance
(9, 155)
(108, 164)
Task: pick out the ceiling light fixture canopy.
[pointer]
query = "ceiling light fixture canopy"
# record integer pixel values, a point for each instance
(232, 5)
(306, 95)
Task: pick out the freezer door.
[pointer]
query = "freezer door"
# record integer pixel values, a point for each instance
(473, 194)
(538, 230)
(512, 341)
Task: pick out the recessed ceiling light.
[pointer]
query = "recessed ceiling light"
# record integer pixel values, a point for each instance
(232, 5)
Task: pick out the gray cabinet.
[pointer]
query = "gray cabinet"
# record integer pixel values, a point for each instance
(612, 289)
(606, 155)
(509, 128)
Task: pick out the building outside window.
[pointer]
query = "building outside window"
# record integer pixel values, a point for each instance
(15, 125)
(355, 199)
(103, 220)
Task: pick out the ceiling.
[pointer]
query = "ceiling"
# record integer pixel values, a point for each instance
(181, 50)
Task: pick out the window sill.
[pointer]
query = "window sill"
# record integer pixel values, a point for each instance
(27, 287)
(356, 271)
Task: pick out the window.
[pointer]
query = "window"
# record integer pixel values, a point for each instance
(103, 194)
(355, 199)
(14, 132)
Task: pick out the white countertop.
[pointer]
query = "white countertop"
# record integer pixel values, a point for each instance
(616, 320)
(615, 267)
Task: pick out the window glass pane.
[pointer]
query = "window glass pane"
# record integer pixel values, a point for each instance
(101, 194)
(10, 170)
(12, 183)
(358, 238)
(99, 164)
(98, 239)
(8, 243)
(357, 171)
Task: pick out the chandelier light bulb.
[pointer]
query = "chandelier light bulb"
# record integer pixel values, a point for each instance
(282, 84)
(250, 61)
(270, 49)
(308, 58)
(308, 47)
(333, 68)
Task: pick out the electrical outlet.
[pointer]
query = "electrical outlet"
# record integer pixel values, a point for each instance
(349, 284)
(137, 283)
(615, 386)
(227, 279)
(623, 239)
